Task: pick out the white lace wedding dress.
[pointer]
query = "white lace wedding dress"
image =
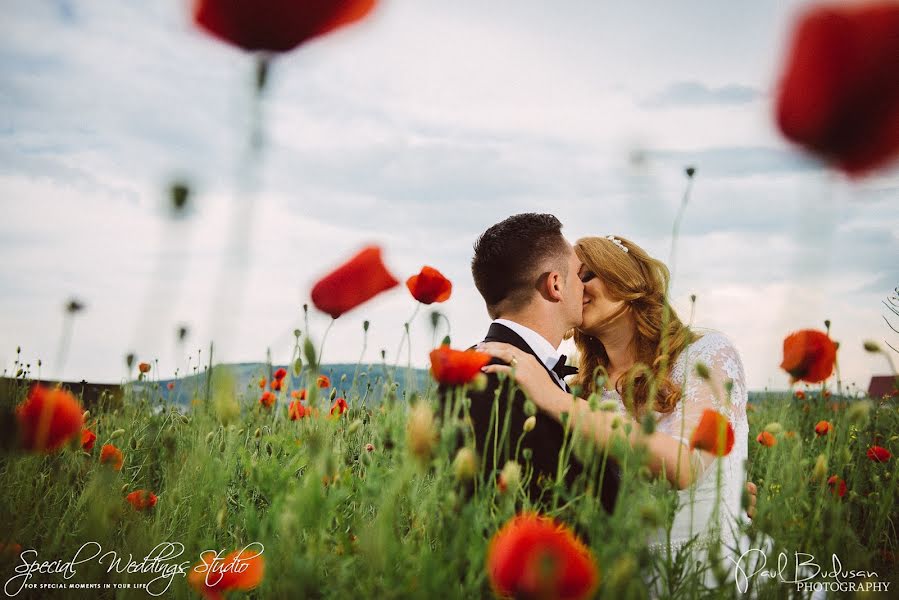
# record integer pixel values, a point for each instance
(696, 504)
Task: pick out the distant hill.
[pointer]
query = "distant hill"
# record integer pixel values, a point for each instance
(246, 376)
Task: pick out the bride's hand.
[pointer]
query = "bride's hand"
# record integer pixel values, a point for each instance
(530, 375)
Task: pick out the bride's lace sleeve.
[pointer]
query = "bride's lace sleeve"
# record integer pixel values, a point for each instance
(726, 373)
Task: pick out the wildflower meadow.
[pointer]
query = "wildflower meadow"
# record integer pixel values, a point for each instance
(307, 479)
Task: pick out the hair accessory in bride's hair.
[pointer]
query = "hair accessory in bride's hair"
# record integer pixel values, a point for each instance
(616, 241)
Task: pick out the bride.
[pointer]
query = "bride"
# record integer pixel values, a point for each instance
(631, 338)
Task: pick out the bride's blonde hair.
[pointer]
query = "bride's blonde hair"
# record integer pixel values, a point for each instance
(641, 281)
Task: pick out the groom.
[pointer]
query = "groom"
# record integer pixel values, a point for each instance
(527, 273)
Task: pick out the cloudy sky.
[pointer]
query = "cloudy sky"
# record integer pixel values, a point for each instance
(415, 130)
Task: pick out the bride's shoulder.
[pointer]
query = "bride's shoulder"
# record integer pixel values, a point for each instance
(709, 342)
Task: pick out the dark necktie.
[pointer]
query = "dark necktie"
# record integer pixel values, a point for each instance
(563, 370)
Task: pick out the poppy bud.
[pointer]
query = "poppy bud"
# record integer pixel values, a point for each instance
(510, 478)
(702, 371)
(608, 405)
(465, 465)
(479, 382)
(529, 423)
(820, 471)
(774, 427)
(209, 437)
(257, 433)
(354, 427)
(858, 412)
(871, 346)
(117, 433)
(420, 431)
(527, 454)
(86, 415)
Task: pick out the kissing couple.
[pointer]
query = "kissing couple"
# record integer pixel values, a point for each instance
(635, 356)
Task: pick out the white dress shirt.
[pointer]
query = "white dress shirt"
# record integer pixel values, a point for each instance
(548, 355)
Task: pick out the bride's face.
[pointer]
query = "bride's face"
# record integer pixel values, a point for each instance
(598, 306)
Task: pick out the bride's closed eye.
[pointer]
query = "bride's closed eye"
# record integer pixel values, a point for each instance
(587, 276)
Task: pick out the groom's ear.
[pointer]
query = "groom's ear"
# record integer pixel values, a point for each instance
(553, 283)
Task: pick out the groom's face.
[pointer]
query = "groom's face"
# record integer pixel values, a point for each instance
(573, 299)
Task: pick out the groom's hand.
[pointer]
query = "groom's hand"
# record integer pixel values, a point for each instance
(753, 493)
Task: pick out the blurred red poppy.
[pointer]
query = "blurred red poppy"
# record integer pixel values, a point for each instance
(276, 385)
(262, 383)
(240, 570)
(280, 374)
(429, 286)
(339, 406)
(88, 438)
(323, 381)
(170, 385)
(141, 499)
(48, 418)
(823, 428)
(296, 410)
(837, 485)
(879, 454)
(533, 556)
(800, 395)
(361, 278)
(298, 394)
(839, 92)
(143, 367)
(809, 356)
(457, 367)
(766, 438)
(267, 399)
(112, 456)
(713, 434)
(275, 25)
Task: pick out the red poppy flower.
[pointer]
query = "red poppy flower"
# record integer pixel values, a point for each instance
(170, 385)
(240, 570)
(800, 395)
(323, 381)
(839, 93)
(296, 410)
(262, 383)
(457, 367)
(88, 438)
(276, 385)
(280, 374)
(340, 406)
(298, 394)
(533, 556)
(275, 25)
(823, 428)
(879, 454)
(809, 356)
(48, 418)
(112, 456)
(429, 286)
(143, 367)
(141, 499)
(363, 277)
(766, 438)
(267, 399)
(837, 485)
(713, 434)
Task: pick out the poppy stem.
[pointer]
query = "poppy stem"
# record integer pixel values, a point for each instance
(321, 347)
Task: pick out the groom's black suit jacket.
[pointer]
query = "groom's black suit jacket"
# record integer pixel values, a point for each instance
(545, 441)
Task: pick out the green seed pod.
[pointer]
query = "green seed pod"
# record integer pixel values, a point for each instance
(649, 424)
(257, 433)
(209, 437)
(298, 366)
(527, 454)
(530, 409)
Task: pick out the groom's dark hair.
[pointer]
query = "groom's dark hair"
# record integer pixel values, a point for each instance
(510, 257)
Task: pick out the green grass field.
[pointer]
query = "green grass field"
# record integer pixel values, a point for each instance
(340, 520)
